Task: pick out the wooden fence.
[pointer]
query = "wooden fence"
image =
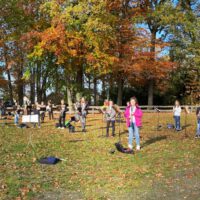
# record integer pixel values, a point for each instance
(95, 109)
(145, 108)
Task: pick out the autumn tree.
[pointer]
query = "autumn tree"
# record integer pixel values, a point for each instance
(78, 36)
(185, 48)
(123, 48)
(153, 15)
(13, 25)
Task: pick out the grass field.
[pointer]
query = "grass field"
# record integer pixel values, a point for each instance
(167, 167)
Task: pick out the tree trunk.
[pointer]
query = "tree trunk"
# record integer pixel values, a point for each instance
(10, 85)
(150, 92)
(20, 92)
(32, 85)
(20, 84)
(89, 82)
(38, 82)
(10, 88)
(79, 81)
(69, 99)
(120, 91)
(95, 91)
(103, 95)
(68, 89)
(151, 81)
(43, 89)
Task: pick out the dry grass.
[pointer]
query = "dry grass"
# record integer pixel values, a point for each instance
(165, 168)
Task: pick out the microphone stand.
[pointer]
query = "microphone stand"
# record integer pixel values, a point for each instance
(158, 118)
(119, 115)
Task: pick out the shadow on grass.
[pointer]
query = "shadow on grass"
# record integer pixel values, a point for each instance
(75, 141)
(186, 126)
(154, 140)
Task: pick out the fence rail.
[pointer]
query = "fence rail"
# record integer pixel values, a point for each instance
(145, 108)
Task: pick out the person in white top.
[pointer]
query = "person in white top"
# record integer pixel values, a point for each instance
(177, 115)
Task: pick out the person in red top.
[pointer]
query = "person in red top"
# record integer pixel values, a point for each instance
(133, 115)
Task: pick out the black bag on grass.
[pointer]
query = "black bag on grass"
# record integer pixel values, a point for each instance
(121, 149)
(22, 126)
(71, 128)
(49, 160)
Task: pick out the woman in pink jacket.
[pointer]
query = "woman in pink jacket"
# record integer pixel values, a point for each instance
(133, 115)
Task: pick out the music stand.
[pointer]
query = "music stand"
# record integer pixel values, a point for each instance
(30, 119)
(102, 124)
(119, 121)
(158, 118)
(186, 113)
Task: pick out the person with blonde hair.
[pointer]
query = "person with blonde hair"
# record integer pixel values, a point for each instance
(177, 115)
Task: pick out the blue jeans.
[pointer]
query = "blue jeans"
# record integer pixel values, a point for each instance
(16, 120)
(198, 127)
(133, 132)
(177, 120)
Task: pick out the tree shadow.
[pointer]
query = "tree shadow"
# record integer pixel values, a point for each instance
(75, 141)
(154, 140)
(92, 120)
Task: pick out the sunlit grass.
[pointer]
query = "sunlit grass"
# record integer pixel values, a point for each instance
(90, 171)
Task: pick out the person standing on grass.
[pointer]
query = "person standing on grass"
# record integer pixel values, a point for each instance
(37, 112)
(42, 111)
(16, 114)
(198, 123)
(133, 115)
(63, 110)
(82, 109)
(50, 109)
(177, 115)
(110, 118)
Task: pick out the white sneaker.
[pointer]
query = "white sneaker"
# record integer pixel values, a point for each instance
(137, 147)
